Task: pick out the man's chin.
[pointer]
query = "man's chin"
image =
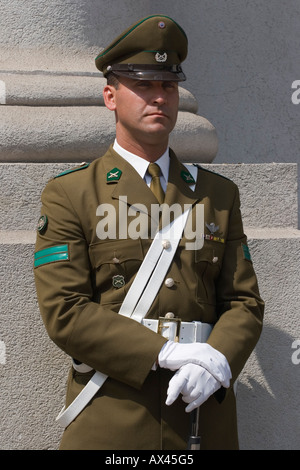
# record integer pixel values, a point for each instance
(160, 128)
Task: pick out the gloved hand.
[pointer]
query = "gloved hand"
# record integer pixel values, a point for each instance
(195, 384)
(175, 355)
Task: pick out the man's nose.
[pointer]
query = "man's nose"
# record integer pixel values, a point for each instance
(159, 100)
(160, 97)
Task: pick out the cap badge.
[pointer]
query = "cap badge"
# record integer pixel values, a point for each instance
(113, 175)
(118, 281)
(161, 57)
(161, 24)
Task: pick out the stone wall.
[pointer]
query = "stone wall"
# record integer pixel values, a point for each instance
(242, 62)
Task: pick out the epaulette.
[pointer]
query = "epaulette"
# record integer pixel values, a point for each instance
(71, 170)
(211, 171)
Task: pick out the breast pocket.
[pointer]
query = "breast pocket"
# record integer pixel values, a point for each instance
(208, 262)
(114, 264)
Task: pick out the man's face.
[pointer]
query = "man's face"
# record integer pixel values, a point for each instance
(146, 111)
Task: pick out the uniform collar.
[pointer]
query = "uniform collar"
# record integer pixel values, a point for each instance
(178, 191)
(141, 165)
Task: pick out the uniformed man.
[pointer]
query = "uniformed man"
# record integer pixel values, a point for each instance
(93, 235)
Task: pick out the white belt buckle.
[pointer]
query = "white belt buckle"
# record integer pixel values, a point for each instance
(169, 328)
(187, 332)
(174, 329)
(203, 331)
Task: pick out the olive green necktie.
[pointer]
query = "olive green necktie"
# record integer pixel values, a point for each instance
(155, 186)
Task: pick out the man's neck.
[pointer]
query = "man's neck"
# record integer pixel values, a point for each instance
(149, 152)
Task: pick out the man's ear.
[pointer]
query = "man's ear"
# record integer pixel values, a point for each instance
(109, 92)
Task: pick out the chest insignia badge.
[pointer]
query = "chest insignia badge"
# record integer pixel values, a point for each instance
(118, 281)
(212, 227)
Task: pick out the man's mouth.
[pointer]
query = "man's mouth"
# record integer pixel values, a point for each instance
(158, 113)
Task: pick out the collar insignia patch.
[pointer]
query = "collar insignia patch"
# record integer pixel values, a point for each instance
(113, 175)
(187, 177)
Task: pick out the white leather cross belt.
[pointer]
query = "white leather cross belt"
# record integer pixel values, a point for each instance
(138, 300)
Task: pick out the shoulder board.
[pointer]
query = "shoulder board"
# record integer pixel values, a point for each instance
(81, 167)
(211, 171)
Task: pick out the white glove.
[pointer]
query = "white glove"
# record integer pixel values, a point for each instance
(195, 384)
(175, 355)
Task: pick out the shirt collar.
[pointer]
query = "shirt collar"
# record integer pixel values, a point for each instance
(140, 164)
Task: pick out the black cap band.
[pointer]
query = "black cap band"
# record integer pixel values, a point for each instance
(157, 72)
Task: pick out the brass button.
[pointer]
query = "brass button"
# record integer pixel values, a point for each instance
(166, 244)
(169, 282)
(169, 315)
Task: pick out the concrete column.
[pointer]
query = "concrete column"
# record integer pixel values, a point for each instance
(50, 89)
(50, 117)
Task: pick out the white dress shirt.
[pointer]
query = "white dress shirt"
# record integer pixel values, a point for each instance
(141, 165)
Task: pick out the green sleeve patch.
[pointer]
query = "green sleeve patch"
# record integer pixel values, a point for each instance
(51, 255)
(246, 252)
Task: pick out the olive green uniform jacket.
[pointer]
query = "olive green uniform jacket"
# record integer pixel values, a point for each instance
(75, 269)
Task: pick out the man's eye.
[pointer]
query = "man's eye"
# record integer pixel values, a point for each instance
(170, 85)
(143, 83)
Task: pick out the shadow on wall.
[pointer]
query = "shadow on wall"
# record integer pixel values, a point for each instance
(268, 409)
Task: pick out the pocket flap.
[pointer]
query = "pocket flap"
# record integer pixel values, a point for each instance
(115, 252)
(212, 252)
